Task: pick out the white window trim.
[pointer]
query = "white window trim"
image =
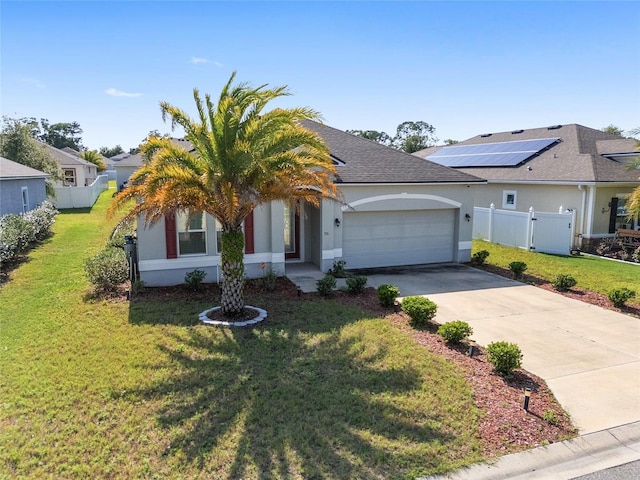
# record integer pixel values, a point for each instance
(74, 176)
(203, 229)
(25, 199)
(505, 197)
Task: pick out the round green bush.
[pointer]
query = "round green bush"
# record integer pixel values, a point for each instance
(387, 295)
(563, 283)
(455, 332)
(517, 268)
(356, 285)
(419, 309)
(108, 269)
(619, 296)
(505, 357)
(326, 285)
(479, 257)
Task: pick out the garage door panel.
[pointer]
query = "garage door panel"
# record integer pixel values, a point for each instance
(377, 239)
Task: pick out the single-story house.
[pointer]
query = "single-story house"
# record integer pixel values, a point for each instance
(22, 188)
(397, 210)
(76, 171)
(568, 167)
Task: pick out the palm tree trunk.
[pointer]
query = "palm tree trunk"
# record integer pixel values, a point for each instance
(232, 258)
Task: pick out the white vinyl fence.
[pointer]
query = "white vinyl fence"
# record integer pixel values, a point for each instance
(537, 231)
(80, 197)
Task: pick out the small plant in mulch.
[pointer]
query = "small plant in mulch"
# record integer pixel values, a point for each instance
(337, 270)
(479, 258)
(455, 331)
(193, 280)
(420, 310)
(387, 295)
(619, 296)
(517, 269)
(505, 357)
(356, 285)
(563, 282)
(326, 285)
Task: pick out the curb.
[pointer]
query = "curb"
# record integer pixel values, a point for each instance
(561, 461)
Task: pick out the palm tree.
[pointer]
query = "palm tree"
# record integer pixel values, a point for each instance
(93, 156)
(243, 157)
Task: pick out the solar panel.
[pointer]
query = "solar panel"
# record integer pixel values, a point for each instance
(500, 154)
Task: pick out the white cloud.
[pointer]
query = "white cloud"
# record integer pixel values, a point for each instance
(197, 60)
(33, 81)
(118, 93)
(218, 64)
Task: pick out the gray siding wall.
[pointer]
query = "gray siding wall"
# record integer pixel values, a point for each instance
(11, 194)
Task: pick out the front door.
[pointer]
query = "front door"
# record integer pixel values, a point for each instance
(291, 233)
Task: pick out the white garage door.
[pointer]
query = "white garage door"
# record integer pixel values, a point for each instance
(383, 239)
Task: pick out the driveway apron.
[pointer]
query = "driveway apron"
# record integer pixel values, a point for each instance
(589, 356)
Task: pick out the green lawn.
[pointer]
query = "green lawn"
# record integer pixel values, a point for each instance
(592, 273)
(107, 389)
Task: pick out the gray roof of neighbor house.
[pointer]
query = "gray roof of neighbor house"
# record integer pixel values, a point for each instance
(577, 157)
(10, 170)
(365, 161)
(66, 159)
(137, 159)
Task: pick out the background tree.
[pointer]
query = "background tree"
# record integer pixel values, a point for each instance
(613, 130)
(450, 141)
(413, 136)
(18, 143)
(152, 133)
(380, 137)
(110, 152)
(94, 157)
(244, 157)
(410, 136)
(61, 135)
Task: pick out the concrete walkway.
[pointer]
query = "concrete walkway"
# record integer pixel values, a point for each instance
(589, 356)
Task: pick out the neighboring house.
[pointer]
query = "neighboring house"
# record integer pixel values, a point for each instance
(22, 188)
(76, 171)
(397, 210)
(568, 167)
(111, 163)
(125, 166)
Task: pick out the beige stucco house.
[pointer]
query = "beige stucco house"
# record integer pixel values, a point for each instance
(561, 167)
(397, 210)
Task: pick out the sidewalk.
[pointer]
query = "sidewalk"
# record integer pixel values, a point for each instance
(560, 461)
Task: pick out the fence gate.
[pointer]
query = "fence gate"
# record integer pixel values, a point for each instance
(553, 232)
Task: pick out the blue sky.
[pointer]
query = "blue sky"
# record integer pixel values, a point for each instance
(465, 67)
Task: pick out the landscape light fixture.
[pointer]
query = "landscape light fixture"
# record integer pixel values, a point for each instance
(527, 396)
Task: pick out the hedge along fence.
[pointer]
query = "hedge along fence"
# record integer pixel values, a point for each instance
(18, 233)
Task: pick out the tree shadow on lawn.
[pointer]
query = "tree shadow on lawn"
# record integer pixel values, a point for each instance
(296, 397)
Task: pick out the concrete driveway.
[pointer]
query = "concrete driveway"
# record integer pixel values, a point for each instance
(589, 356)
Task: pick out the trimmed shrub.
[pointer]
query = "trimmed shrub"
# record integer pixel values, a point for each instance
(337, 270)
(505, 357)
(108, 269)
(193, 280)
(517, 268)
(419, 309)
(356, 285)
(479, 258)
(455, 332)
(563, 283)
(619, 296)
(326, 285)
(387, 295)
(19, 232)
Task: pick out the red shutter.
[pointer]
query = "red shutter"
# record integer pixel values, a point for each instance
(170, 235)
(248, 234)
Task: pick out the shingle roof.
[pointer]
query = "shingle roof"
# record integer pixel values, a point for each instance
(366, 161)
(576, 158)
(64, 158)
(13, 170)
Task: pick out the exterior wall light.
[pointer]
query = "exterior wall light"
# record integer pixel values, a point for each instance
(337, 222)
(468, 217)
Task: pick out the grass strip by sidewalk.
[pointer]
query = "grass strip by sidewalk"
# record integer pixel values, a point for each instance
(108, 389)
(592, 273)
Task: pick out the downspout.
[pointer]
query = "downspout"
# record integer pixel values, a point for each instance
(583, 208)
